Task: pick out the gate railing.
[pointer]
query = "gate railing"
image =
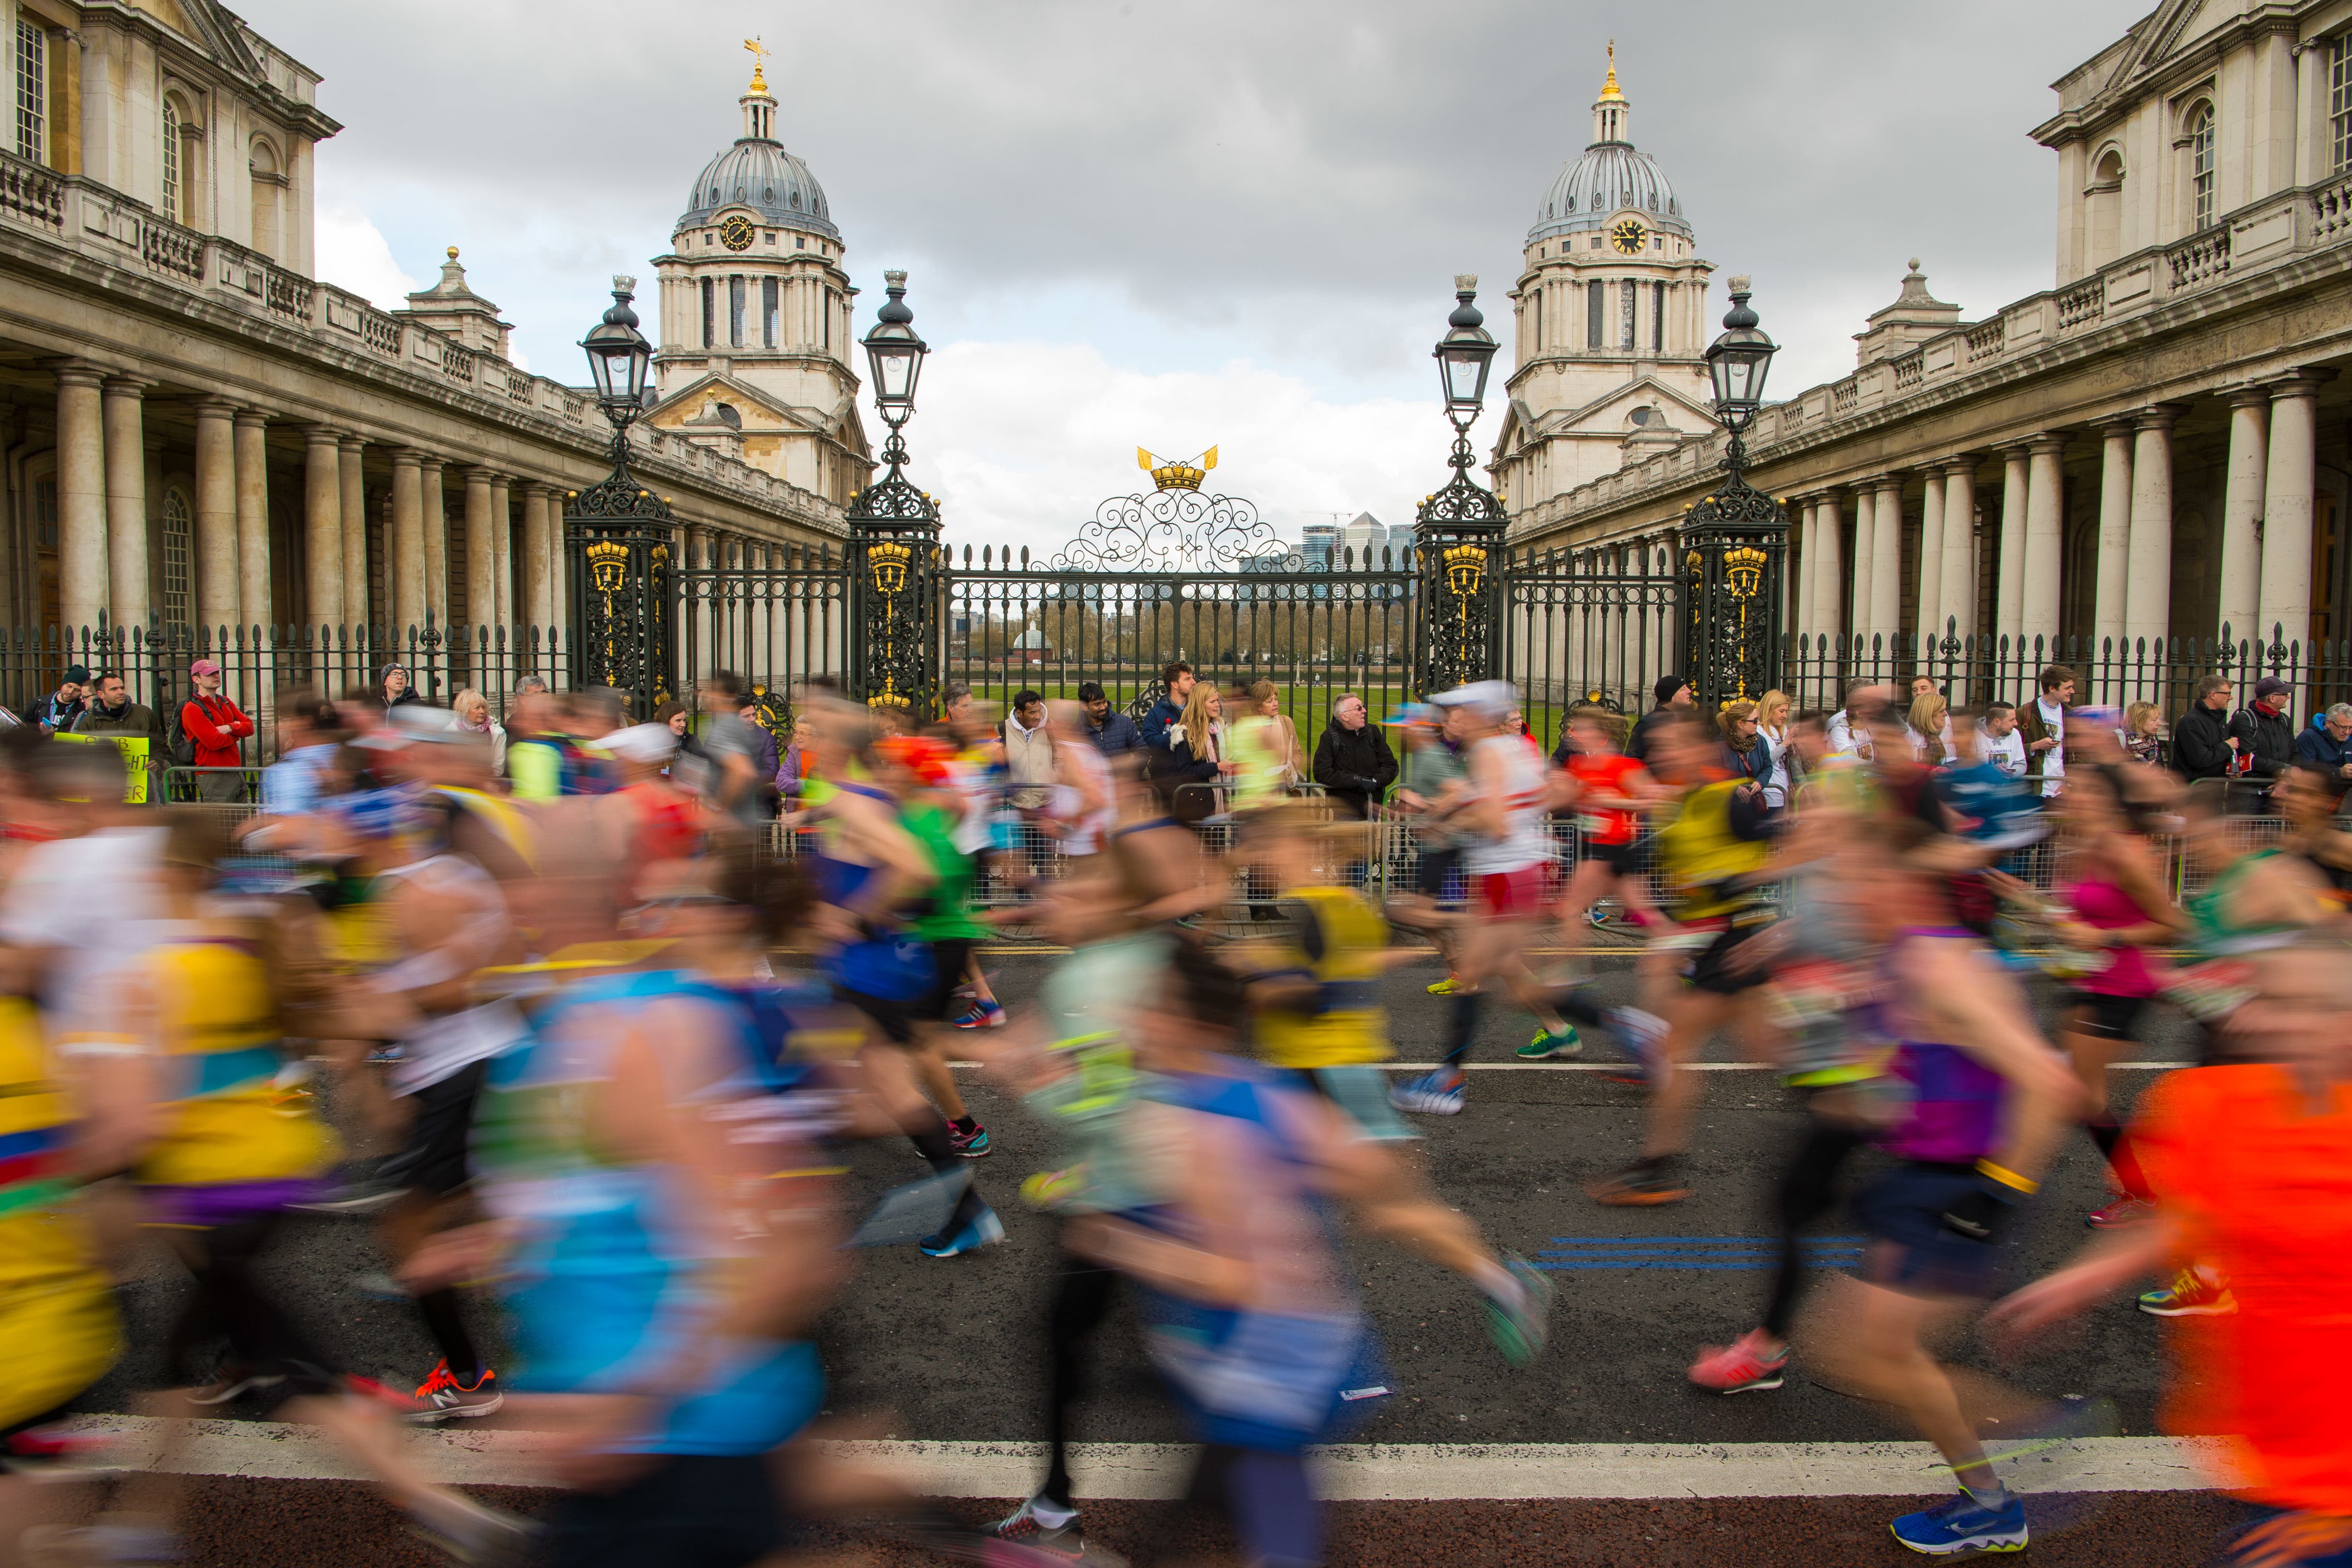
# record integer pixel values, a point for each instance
(1589, 625)
(259, 664)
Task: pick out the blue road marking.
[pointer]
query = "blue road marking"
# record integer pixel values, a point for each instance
(1701, 1253)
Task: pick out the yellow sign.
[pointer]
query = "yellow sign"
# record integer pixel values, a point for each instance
(134, 749)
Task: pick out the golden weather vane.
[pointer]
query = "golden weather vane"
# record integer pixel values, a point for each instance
(758, 63)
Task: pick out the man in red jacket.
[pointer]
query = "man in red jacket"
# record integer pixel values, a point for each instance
(214, 726)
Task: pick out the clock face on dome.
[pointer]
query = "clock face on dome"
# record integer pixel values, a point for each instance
(735, 233)
(1628, 238)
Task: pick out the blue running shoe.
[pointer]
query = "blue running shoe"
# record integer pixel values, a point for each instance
(985, 1230)
(1430, 1096)
(1962, 1523)
(1639, 1035)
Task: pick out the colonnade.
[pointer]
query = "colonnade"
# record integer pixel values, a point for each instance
(103, 523)
(2265, 532)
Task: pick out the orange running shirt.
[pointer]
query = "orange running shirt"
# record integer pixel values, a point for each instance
(2260, 1181)
(1605, 775)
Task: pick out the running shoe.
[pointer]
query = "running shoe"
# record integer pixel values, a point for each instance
(2125, 1210)
(971, 1146)
(44, 1451)
(1638, 1185)
(1747, 1365)
(1443, 987)
(984, 1230)
(358, 1197)
(444, 1398)
(2193, 1293)
(1520, 1326)
(1546, 1045)
(1047, 1191)
(1430, 1096)
(1059, 1544)
(235, 1382)
(1962, 1525)
(1596, 918)
(98, 1545)
(1639, 1035)
(982, 1015)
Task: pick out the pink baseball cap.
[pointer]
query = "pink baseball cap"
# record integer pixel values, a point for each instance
(205, 667)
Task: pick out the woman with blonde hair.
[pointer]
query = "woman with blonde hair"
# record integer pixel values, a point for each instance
(1928, 728)
(1772, 729)
(1265, 748)
(1196, 745)
(2143, 733)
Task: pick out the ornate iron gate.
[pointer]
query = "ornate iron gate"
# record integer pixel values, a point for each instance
(1595, 625)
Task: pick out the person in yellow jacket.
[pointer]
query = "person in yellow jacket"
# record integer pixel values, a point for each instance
(1713, 850)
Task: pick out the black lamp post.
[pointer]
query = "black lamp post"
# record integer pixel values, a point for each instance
(1459, 531)
(893, 533)
(1735, 543)
(618, 533)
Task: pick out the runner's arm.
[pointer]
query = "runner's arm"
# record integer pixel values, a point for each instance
(1965, 1001)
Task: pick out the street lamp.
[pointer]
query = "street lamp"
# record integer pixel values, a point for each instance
(1459, 531)
(1737, 363)
(618, 357)
(893, 533)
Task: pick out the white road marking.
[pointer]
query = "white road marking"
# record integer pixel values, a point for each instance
(1349, 1471)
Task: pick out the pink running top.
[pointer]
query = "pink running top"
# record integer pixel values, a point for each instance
(2104, 906)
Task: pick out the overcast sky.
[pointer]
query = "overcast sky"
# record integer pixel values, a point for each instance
(1179, 225)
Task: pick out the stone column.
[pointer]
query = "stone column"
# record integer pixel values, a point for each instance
(405, 551)
(81, 498)
(481, 595)
(2284, 611)
(2009, 599)
(2113, 564)
(2148, 580)
(1927, 613)
(1886, 557)
(1809, 537)
(1865, 540)
(503, 610)
(437, 541)
(537, 560)
(2046, 523)
(1959, 575)
(354, 532)
(126, 501)
(255, 608)
(322, 533)
(216, 569)
(2241, 511)
(1828, 577)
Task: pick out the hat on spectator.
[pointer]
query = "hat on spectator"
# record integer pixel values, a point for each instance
(75, 675)
(648, 744)
(1666, 686)
(205, 667)
(2270, 686)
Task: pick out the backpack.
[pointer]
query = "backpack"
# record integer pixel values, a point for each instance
(176, 741)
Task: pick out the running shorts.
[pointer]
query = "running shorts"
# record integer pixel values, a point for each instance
(1437, 868)
(1711, 971)
(1513, 894)
(712, 1510)
(1360, 1090)
(937, 1004)
(2108, 1017)
(434, 1159)
(1911, 1248)
(1618, 858)
(58, 1331)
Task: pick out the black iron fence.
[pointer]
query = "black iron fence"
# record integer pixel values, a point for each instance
(2112, 672)
(260, 665)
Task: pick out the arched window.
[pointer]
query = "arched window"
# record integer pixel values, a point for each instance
(171, 160)
(2201, 164)
(267, 184)
(2107, 202)
(174, 550)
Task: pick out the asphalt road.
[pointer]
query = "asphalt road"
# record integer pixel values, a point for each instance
(953, 1350)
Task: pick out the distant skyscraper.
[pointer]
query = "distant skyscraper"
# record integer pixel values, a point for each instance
(1364, 535)
(1319, 543)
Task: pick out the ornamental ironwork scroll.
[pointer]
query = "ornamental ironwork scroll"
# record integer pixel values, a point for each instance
(1733, 549)
(894, 560)
(1458, 539)
(1177, 529)
(622, 543)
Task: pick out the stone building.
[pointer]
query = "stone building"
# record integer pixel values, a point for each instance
(2154, 448)
(200, 433)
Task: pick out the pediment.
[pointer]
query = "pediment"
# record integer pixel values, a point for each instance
(1605, 415)
(756, 407)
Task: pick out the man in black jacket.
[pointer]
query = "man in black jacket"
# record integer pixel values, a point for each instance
(1176, 680)
(1352, 760)
(2202, 746)
(2265, 730)
(1675, 698)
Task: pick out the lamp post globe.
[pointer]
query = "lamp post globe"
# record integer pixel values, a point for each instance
(896, 354)
(618, 356)
(1464, 355)
(1737, 363)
